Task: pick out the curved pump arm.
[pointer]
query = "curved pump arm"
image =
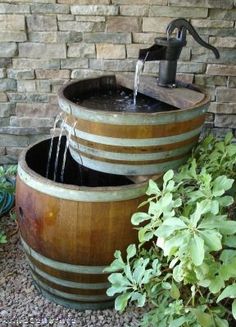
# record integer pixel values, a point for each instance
(183, 26)
(168, 50)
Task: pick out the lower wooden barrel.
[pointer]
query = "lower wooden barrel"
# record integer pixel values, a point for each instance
(128, 143)
(69, 232)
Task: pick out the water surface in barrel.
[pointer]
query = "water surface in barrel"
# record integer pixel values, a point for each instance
(121, 100)
(74, 173)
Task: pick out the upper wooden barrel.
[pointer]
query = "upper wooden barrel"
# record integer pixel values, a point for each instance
(69, 232)
(128, 143)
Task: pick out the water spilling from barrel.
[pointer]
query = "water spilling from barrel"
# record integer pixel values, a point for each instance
(138, 71)
(58, 149)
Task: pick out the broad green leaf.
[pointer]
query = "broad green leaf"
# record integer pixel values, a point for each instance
(178, 273)
(230, 241)
(131, 251)
(176, 222)
(234, 309)
(173, 244)
(139, 217)
(119, 279)
(174, 292)
(212, 239)
(114, 289)
(167, 177)
(225, 201)
(216, 284)
(204, 319)
(196, 248)
(227, 227)
(229, 291)
(122, 300)
(228, 271)
(153, 188)
(140, 269)
(221, 322)
(140, 298)
(145, 235)
(221, 184)
(228, 138)
(178, 322)
(227, 256)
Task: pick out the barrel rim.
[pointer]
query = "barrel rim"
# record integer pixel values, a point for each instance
(22, 164)
(61, 96)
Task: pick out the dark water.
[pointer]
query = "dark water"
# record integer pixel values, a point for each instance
(74, 174)
(121, 100)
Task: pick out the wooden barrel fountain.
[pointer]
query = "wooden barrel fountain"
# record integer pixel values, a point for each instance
(70, 232)
(131, 142)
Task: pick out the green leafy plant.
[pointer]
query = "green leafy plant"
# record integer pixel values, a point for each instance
(6, 187)
(184, 266)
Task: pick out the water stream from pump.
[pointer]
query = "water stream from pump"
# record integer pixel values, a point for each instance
(138, 71)
(68, 138)
(58, 148)
(58, 118)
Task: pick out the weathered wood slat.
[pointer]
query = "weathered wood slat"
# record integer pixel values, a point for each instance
(180, 97)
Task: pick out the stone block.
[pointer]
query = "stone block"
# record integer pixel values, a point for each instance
(226, 32)
(8, 8)
(133, 49)
(140, 2)
(65, 17)
(212, 23)
(228, 4)
(13, 140)
(225, 95)
(7, 160)
(43, 86)
(86, 73)
(7, 84)
(222, 14)
(8, 49)
(12, 23)
(52, 74)
(134, 10)
(222, 70)
(57, 84)
(32, 122)
(2, 151)
(36, 110)
(232, 82)
(223, 42)
(114, 38)
(42, 50)
(110, 51)
(4, 122)
(6, 109)
(112, 65)
(43, 37)
(227, 56)
(26, 86)
(87, 18)
(42, 23)
(98, 10)
(206, 80)
(14, 152)
(28, 97)
(2, 72)
(37, 63)
(81, 50)
(20, 74)
(85, 2)
(49, 8)
(73, 63)
(3, 97)
(191, 67)
(12, 36)
(149, 68)
(225, 121)
(186, 78)
(5, 62)
(145, 38)
(81, 26)
(165, 11)
(69, 37)
(155, 24)
(122, 24)
(223, 108)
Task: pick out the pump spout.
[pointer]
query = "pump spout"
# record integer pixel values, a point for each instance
(155, 52)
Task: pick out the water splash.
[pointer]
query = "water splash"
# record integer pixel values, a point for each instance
(138, 70)
(68, 138)
(58, 148)
(58, 118)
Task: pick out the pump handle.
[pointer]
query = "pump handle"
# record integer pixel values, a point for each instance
(183, 25)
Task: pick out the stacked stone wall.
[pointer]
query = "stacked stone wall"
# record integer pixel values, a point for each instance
(44, 43)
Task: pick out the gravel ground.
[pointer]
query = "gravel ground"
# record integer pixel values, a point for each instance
(22, 305)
